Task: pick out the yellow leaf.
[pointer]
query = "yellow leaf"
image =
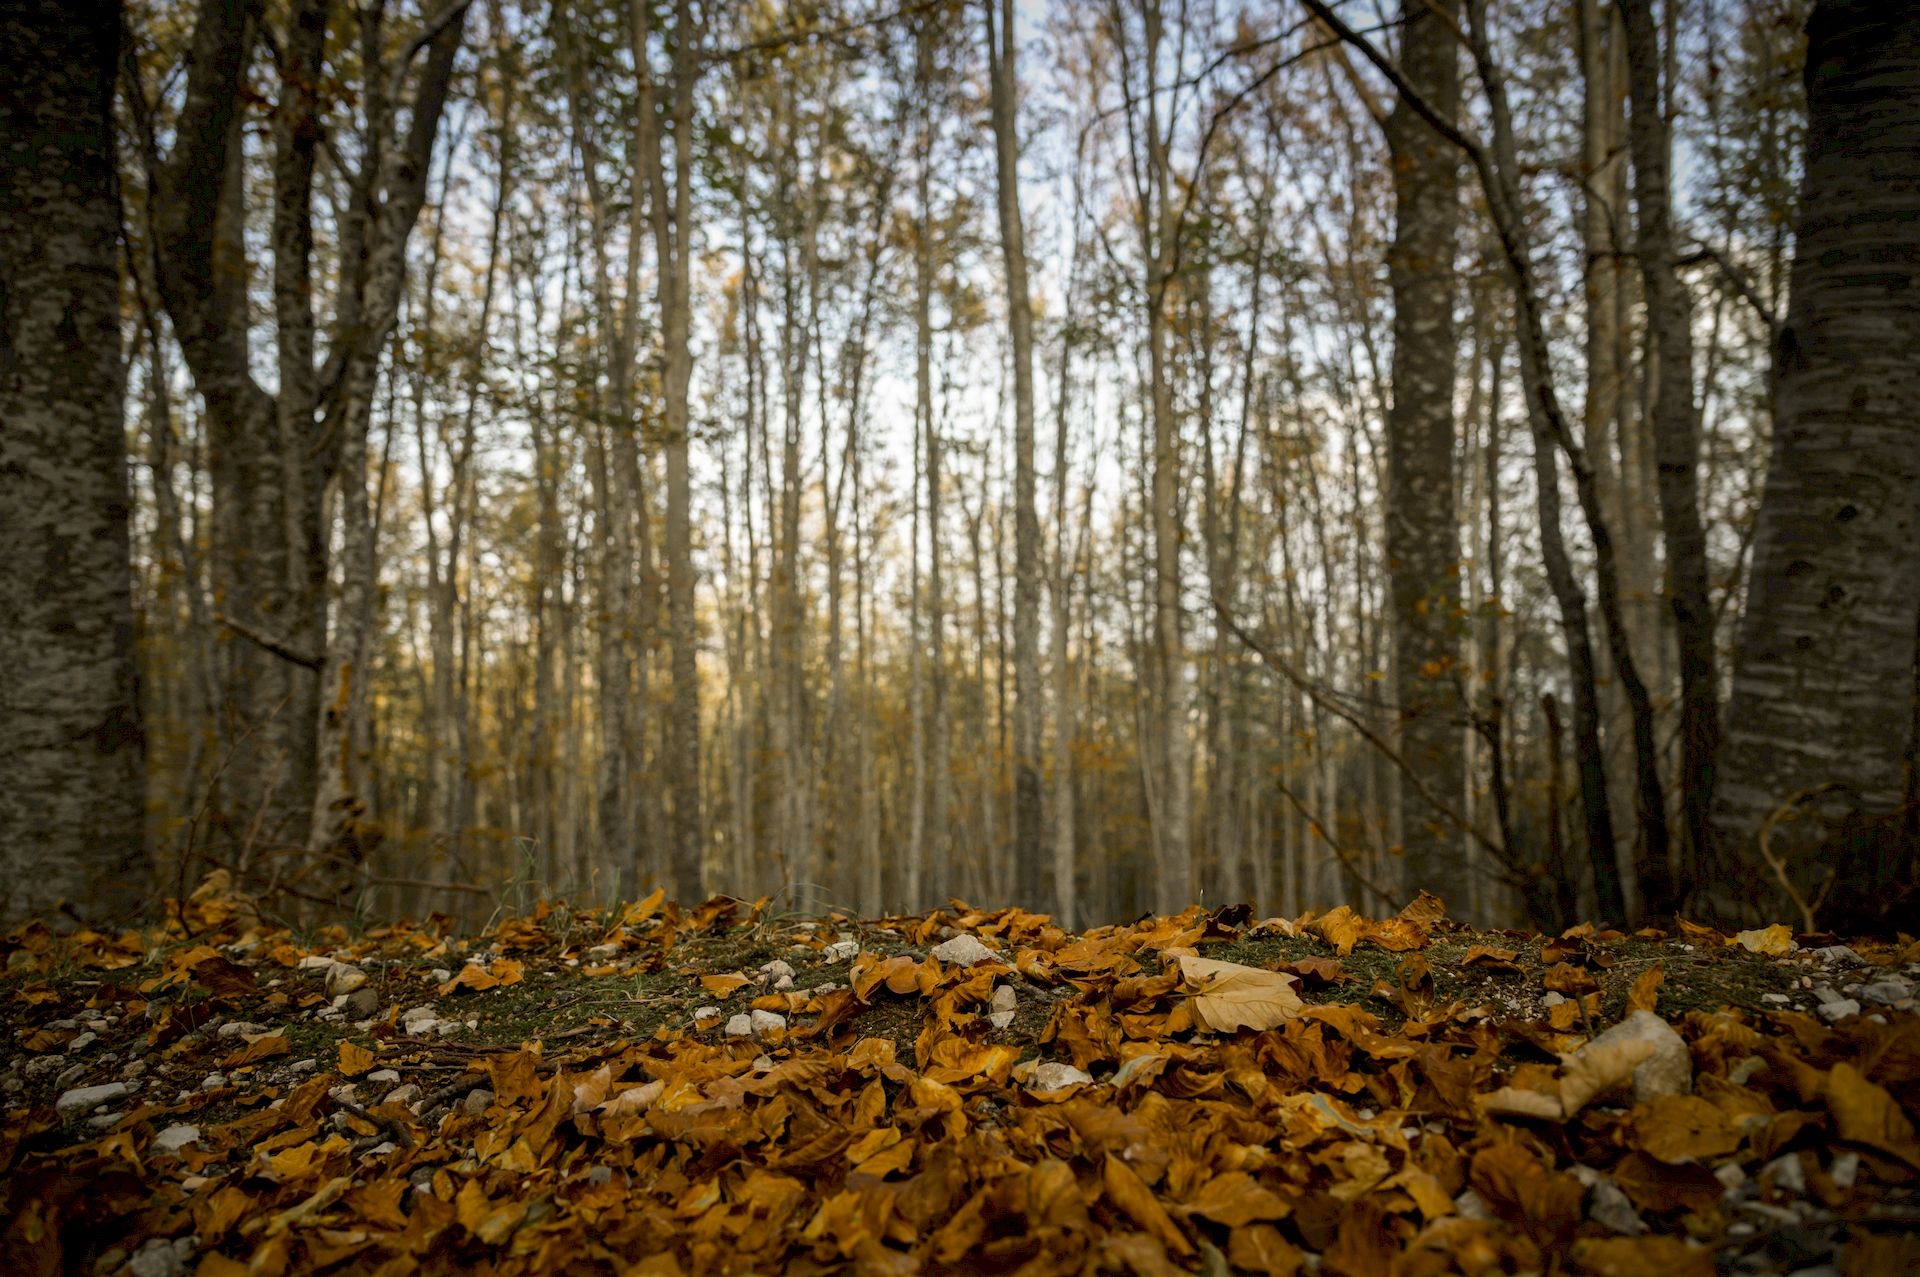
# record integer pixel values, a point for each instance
(1645, 993)
(1228, 996)
(354, 1060)
(1236, 1199)
(1775, 941)
(1683, 1128)
(1866, 1114)
(724, 986)
(1131, 1195)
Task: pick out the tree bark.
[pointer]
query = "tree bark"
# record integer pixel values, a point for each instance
(1676, 438)
(1029, 866)
(1422, 527)
(71, 743)
(1824, 660)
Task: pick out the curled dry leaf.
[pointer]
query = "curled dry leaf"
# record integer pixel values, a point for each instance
(1227, 996)
(1775, 941)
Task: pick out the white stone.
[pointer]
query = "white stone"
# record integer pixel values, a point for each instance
(964, 950)
(343, 978)
(1846, 1167)
(1051, 1075)
(1471, 1205)
(213, 1081)
(740, 1026)
(384, 1075)
(176, 1137)
(81, 1099)
(778, 969)
(1787, 1173)
(163, 1257)
(402, 1094)
(82, 1042)
(315, 962)
(841, 951)
(1005, 1003)
(767, 1022)
(239, 1029)
(1839, 1010)
(1668, 1071)
(1607, 1205)
(440, 975)
(1887, 990)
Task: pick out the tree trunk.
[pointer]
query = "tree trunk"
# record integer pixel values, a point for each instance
(1422, 528)
(1824, 662)
(1676, 439)
(1029, 866)
(71, 745)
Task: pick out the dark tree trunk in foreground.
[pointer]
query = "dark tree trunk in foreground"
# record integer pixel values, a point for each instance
(1824, 664)
(72, 775)
(1423, 535)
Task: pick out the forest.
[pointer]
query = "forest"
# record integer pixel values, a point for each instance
(1101, 456)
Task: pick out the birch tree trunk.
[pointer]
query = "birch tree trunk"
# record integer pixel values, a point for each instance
(71, 744)
(1825, 659)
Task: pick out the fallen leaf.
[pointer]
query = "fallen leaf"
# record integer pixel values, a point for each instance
(724, 986)
(1494, 959)
(1236, 1199)
(1866, 1113)
(1775, 941)
(1682, 1128)
(1227, 996)
(355, 1060)
(1645, 993)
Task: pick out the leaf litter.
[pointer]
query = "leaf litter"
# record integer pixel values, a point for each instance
(662, 1089)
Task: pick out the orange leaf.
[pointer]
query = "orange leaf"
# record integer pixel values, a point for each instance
(1682, 1128)
(1645, 993)
(1130, 1194)
(1866, 1114)
(354, 1060)
(723, 986)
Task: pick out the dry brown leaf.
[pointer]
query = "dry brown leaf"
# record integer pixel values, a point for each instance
(1866, 1113)
(1775, 941)
(1227, 996)
(1642, 1257)
(1645, 994)
(1491, 957)
(1682, 1128)
(1236, 1199)
(355, 1060)
(1127, 1191)
(1588, 1074)
(724, 986)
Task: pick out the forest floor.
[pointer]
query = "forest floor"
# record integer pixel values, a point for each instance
(659, 1090)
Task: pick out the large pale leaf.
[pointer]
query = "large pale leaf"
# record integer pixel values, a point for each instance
(1228, 996)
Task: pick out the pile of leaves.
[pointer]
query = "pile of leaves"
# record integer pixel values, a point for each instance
(659, 1090)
